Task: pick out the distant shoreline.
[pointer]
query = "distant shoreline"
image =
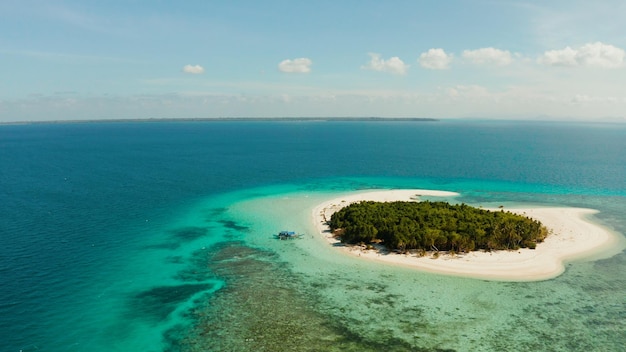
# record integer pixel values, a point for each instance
(572, 236)
(233, 119)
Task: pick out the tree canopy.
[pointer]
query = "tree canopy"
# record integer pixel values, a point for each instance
(436, 226)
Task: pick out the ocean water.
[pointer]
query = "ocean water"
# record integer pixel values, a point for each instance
(157, 236)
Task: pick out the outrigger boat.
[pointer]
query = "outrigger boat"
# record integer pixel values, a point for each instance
(287, 235)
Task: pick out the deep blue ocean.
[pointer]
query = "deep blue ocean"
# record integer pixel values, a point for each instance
(101, 225)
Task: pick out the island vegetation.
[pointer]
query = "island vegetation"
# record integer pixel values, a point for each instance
(434, 226)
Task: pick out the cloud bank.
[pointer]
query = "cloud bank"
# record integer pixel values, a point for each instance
(446, 102)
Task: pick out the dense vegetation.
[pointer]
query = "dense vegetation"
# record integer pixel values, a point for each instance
(435, 226)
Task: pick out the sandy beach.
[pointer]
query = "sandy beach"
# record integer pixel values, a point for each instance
(572, 236)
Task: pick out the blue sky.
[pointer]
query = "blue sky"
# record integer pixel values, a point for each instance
(443, 59)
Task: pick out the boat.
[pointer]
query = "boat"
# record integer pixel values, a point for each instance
(287, 235)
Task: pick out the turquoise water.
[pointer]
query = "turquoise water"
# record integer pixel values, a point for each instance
(158, 237)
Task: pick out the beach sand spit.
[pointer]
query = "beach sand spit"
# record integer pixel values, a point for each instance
(572, 236)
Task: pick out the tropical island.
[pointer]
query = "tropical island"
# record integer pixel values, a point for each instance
(435, 226)
(562, 234)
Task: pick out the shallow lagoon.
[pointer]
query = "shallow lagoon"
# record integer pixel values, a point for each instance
(372, 305)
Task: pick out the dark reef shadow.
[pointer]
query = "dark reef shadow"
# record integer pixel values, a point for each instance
(158, 303)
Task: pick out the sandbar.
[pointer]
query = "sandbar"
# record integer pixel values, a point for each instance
(572, 236)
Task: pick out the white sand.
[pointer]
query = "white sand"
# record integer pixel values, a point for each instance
(572, 236)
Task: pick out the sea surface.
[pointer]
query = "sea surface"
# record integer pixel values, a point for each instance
(157, 236)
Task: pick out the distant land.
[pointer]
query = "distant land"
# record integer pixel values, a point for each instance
(209, 119)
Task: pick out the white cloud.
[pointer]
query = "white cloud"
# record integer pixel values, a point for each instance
(193, 69)
(601, 55)
(392, 65)
(563, 57)
(488, 56)
(435, 59)
(591, 54)
(300, 65)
